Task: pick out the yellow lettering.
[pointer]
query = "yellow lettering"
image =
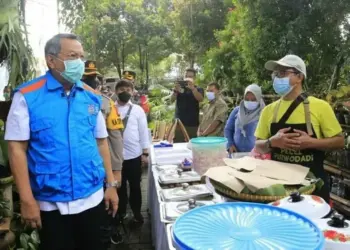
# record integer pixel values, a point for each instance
(293, 158)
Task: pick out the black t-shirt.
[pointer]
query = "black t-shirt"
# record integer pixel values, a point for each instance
(187, 108)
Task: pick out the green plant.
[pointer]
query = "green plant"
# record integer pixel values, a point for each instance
(3, 207)
(26, 238)
(13, 48)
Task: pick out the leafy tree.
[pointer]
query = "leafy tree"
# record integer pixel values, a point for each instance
(122, 34)
(193, 24)
(259, 30)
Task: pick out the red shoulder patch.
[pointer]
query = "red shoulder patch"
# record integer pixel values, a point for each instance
(34, 86)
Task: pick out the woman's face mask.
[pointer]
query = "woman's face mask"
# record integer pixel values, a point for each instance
(251, 105)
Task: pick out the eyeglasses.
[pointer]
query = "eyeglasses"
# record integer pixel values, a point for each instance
(73, 56)
(283, 73)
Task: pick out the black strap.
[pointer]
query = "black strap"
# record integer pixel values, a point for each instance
(126, 118)
(301, 98)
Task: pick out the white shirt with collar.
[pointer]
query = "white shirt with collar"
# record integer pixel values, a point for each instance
(135, 135)
(18, 129)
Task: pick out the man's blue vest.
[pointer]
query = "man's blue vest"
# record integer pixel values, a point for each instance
(63, 157)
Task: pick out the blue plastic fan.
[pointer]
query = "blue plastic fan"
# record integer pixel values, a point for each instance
(245, 226)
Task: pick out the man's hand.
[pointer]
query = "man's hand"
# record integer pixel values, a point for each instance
(30, 212)
(232, 149)
(285, 140)
(199, 133)
(190, 83)
(111, 200)
(117, 176)
(305, 140)
(144, 160)
(177, 88)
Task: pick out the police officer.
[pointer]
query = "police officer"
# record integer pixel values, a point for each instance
(59, 154)
(130, 76)
(113, 121)
(114, 127)
(138, 98)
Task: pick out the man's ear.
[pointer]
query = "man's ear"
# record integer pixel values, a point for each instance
(50, 61)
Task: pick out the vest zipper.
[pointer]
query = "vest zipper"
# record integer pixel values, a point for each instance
(70, 152)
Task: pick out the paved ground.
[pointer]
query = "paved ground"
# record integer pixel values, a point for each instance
(138, 238)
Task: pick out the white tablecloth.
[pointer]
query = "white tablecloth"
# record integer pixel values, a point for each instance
(159, 233)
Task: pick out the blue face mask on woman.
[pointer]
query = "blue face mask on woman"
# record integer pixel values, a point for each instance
(74, 70)
(282, 86)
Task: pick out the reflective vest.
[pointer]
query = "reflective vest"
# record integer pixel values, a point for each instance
(112, 116)
(63, 157)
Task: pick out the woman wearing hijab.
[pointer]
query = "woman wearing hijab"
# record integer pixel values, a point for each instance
(241, 124)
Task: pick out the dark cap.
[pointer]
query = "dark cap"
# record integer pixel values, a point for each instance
(90, 68)
(129, 75)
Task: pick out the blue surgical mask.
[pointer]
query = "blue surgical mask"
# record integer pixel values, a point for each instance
(210, 96)
(251, 105)
(74, 70)
(282, 86)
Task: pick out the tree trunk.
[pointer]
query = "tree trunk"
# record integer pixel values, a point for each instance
(23, 19)
(123, 55)
(141, 59)
(336, 73)
(147, 70)
(191, 58)
(117, 61)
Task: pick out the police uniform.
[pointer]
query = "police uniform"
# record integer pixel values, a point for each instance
(113, 121)
(129, 75)
(114, 127)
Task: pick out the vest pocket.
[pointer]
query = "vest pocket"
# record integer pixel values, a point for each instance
(41, 131)
(47, 178)
(98, 171)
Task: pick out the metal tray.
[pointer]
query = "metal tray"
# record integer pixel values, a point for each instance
(170, 211)
(185, 192)
(178, 176)
(161, 168)
(169, 233)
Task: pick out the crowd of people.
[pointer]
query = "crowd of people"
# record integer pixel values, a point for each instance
(76, 144)
(295, 129)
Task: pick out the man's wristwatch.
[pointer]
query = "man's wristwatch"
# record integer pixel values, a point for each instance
(115, 184)
(268, 143)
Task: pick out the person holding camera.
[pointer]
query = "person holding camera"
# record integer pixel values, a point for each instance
(187, 96)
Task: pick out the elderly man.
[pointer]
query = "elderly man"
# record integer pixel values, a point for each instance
(214, 114)
(59, 153)
(297, 128)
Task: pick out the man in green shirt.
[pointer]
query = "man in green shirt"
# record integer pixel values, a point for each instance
(214, 114)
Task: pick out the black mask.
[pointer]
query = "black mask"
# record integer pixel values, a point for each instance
(124, 97)
(92, 82)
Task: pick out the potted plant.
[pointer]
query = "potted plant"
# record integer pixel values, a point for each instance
(6, 179)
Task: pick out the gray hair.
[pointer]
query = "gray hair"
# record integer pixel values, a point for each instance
(53, 46)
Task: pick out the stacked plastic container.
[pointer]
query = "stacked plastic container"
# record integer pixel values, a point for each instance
(208, 152)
